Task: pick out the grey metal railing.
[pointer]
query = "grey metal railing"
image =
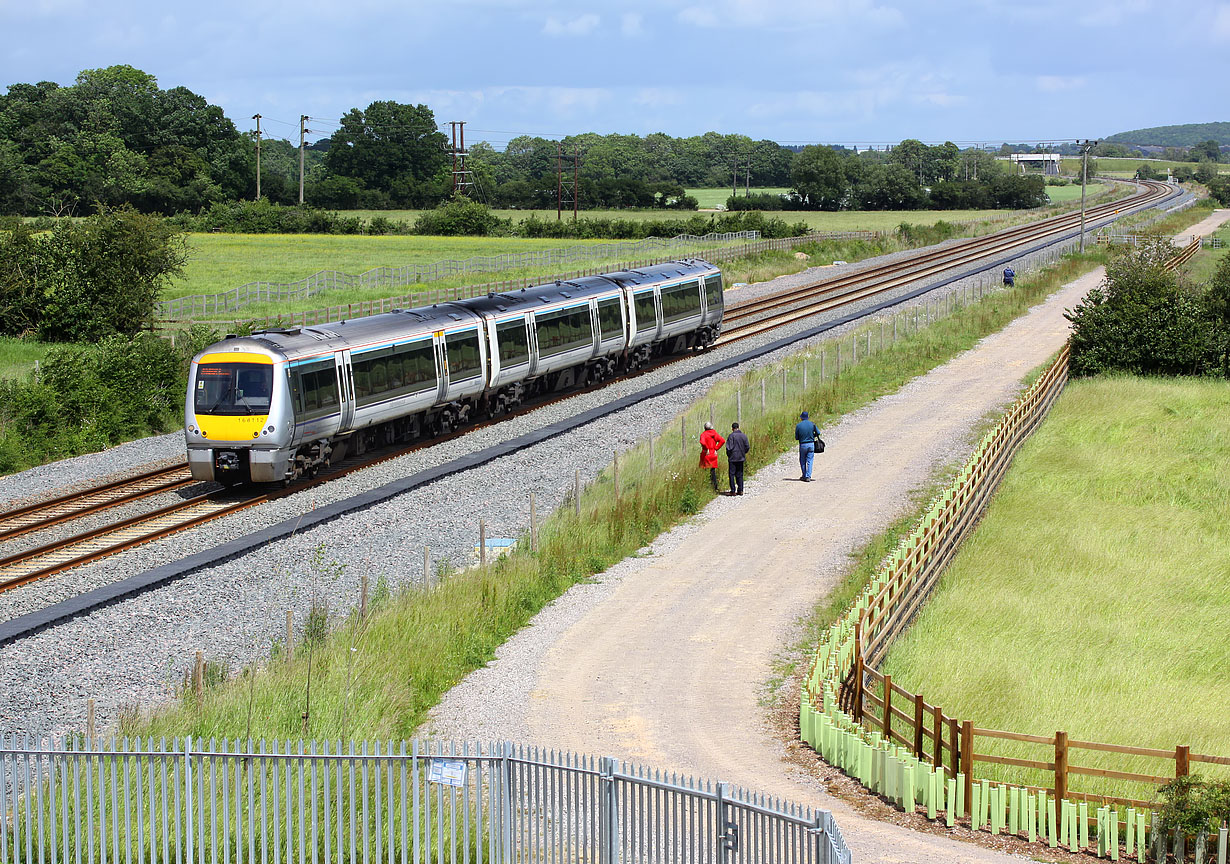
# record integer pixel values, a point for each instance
(147, 801)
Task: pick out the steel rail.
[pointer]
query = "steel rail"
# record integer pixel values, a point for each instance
(73, 505)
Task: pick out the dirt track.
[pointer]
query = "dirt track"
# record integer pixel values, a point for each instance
(665, 659)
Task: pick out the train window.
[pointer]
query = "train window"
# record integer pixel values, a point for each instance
(680, 301)
(389, 372)
(564, 330)
(646, 315)
(713, 291)
(317, 389)
(513, 341)
(610, 318)
(233, 388)
(463, 356)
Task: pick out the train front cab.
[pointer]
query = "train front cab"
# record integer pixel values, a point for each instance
(237, 418)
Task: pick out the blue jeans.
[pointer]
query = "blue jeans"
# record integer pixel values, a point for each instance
(807, 452)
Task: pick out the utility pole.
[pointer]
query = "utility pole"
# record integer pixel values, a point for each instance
(747, 178)
(1085, 146)
(303, 130)
(734, 180)
(461, 174)
(561, 186)
(257, 118)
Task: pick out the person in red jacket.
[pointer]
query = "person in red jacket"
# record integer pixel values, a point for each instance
(710, 443)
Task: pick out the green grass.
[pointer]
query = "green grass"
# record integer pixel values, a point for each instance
(379, 677)
(221, 262)
(1072, 192)
(18, 356)
(1092, 595)
(1201, 267)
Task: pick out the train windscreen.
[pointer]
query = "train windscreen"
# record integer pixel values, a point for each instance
(229, 389)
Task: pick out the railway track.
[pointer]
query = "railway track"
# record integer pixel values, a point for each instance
(745, 320)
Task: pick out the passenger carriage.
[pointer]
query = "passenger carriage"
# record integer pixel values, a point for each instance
(284, 402)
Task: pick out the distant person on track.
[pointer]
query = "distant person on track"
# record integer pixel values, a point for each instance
(710, 443)
(806, 434)
(737, 448)
(1009, 276)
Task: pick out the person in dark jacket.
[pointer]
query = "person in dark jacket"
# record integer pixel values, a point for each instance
(710, 443)
(806, 434)
(1009, 276)
(737, 448)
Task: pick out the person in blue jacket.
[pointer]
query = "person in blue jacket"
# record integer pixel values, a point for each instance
(806, 434)
(1009, 276)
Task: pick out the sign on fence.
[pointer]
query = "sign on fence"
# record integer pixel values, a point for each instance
(448, 772)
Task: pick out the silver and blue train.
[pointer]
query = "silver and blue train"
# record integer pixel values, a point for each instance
(283, 403)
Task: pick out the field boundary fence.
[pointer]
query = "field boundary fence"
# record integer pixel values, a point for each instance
(73, 800)
(902, 747)
(186, 309)
(391, 278)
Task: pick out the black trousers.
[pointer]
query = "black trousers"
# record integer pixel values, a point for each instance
(736, 477)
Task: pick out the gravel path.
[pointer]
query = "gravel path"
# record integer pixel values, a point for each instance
(599, 671)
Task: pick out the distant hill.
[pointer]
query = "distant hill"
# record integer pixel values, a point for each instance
(1183, 135)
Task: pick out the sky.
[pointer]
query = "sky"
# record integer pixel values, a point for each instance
(860, 72)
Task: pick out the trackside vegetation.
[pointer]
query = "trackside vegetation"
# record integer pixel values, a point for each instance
(377, 676)
(1087, 599)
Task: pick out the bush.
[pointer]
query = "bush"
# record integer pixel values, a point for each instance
(758, 201)
(86, 279)
(89, 398)
(462, 217)
(1142, 321)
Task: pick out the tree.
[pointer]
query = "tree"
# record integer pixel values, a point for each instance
(818, 176)
(102, 275)
(389, 146)
(1210, 150)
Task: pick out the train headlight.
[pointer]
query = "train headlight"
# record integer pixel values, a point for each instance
(270, 429)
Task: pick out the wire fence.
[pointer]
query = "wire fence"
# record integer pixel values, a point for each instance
(392, 278)
(192, 801)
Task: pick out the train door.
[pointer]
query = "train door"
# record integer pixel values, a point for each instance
(532, 327)
(437, 340)
(345, 390)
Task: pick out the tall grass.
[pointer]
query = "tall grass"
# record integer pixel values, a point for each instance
(377, 677)
(1093, 596)
(18, 356)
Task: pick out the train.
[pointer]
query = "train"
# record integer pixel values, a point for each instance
(283, 403)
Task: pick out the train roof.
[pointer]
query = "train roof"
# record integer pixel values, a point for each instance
(561, 291)
(319, 338)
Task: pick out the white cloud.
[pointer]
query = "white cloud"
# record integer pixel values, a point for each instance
(658, 97)
(581, 26)
(1059, 83)
(630, 24)
(788, 15)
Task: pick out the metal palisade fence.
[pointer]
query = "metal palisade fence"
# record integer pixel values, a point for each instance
(186, 801)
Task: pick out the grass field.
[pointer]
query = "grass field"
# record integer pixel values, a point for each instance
(1207, 259)
(17, 356)
(1091, 597)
